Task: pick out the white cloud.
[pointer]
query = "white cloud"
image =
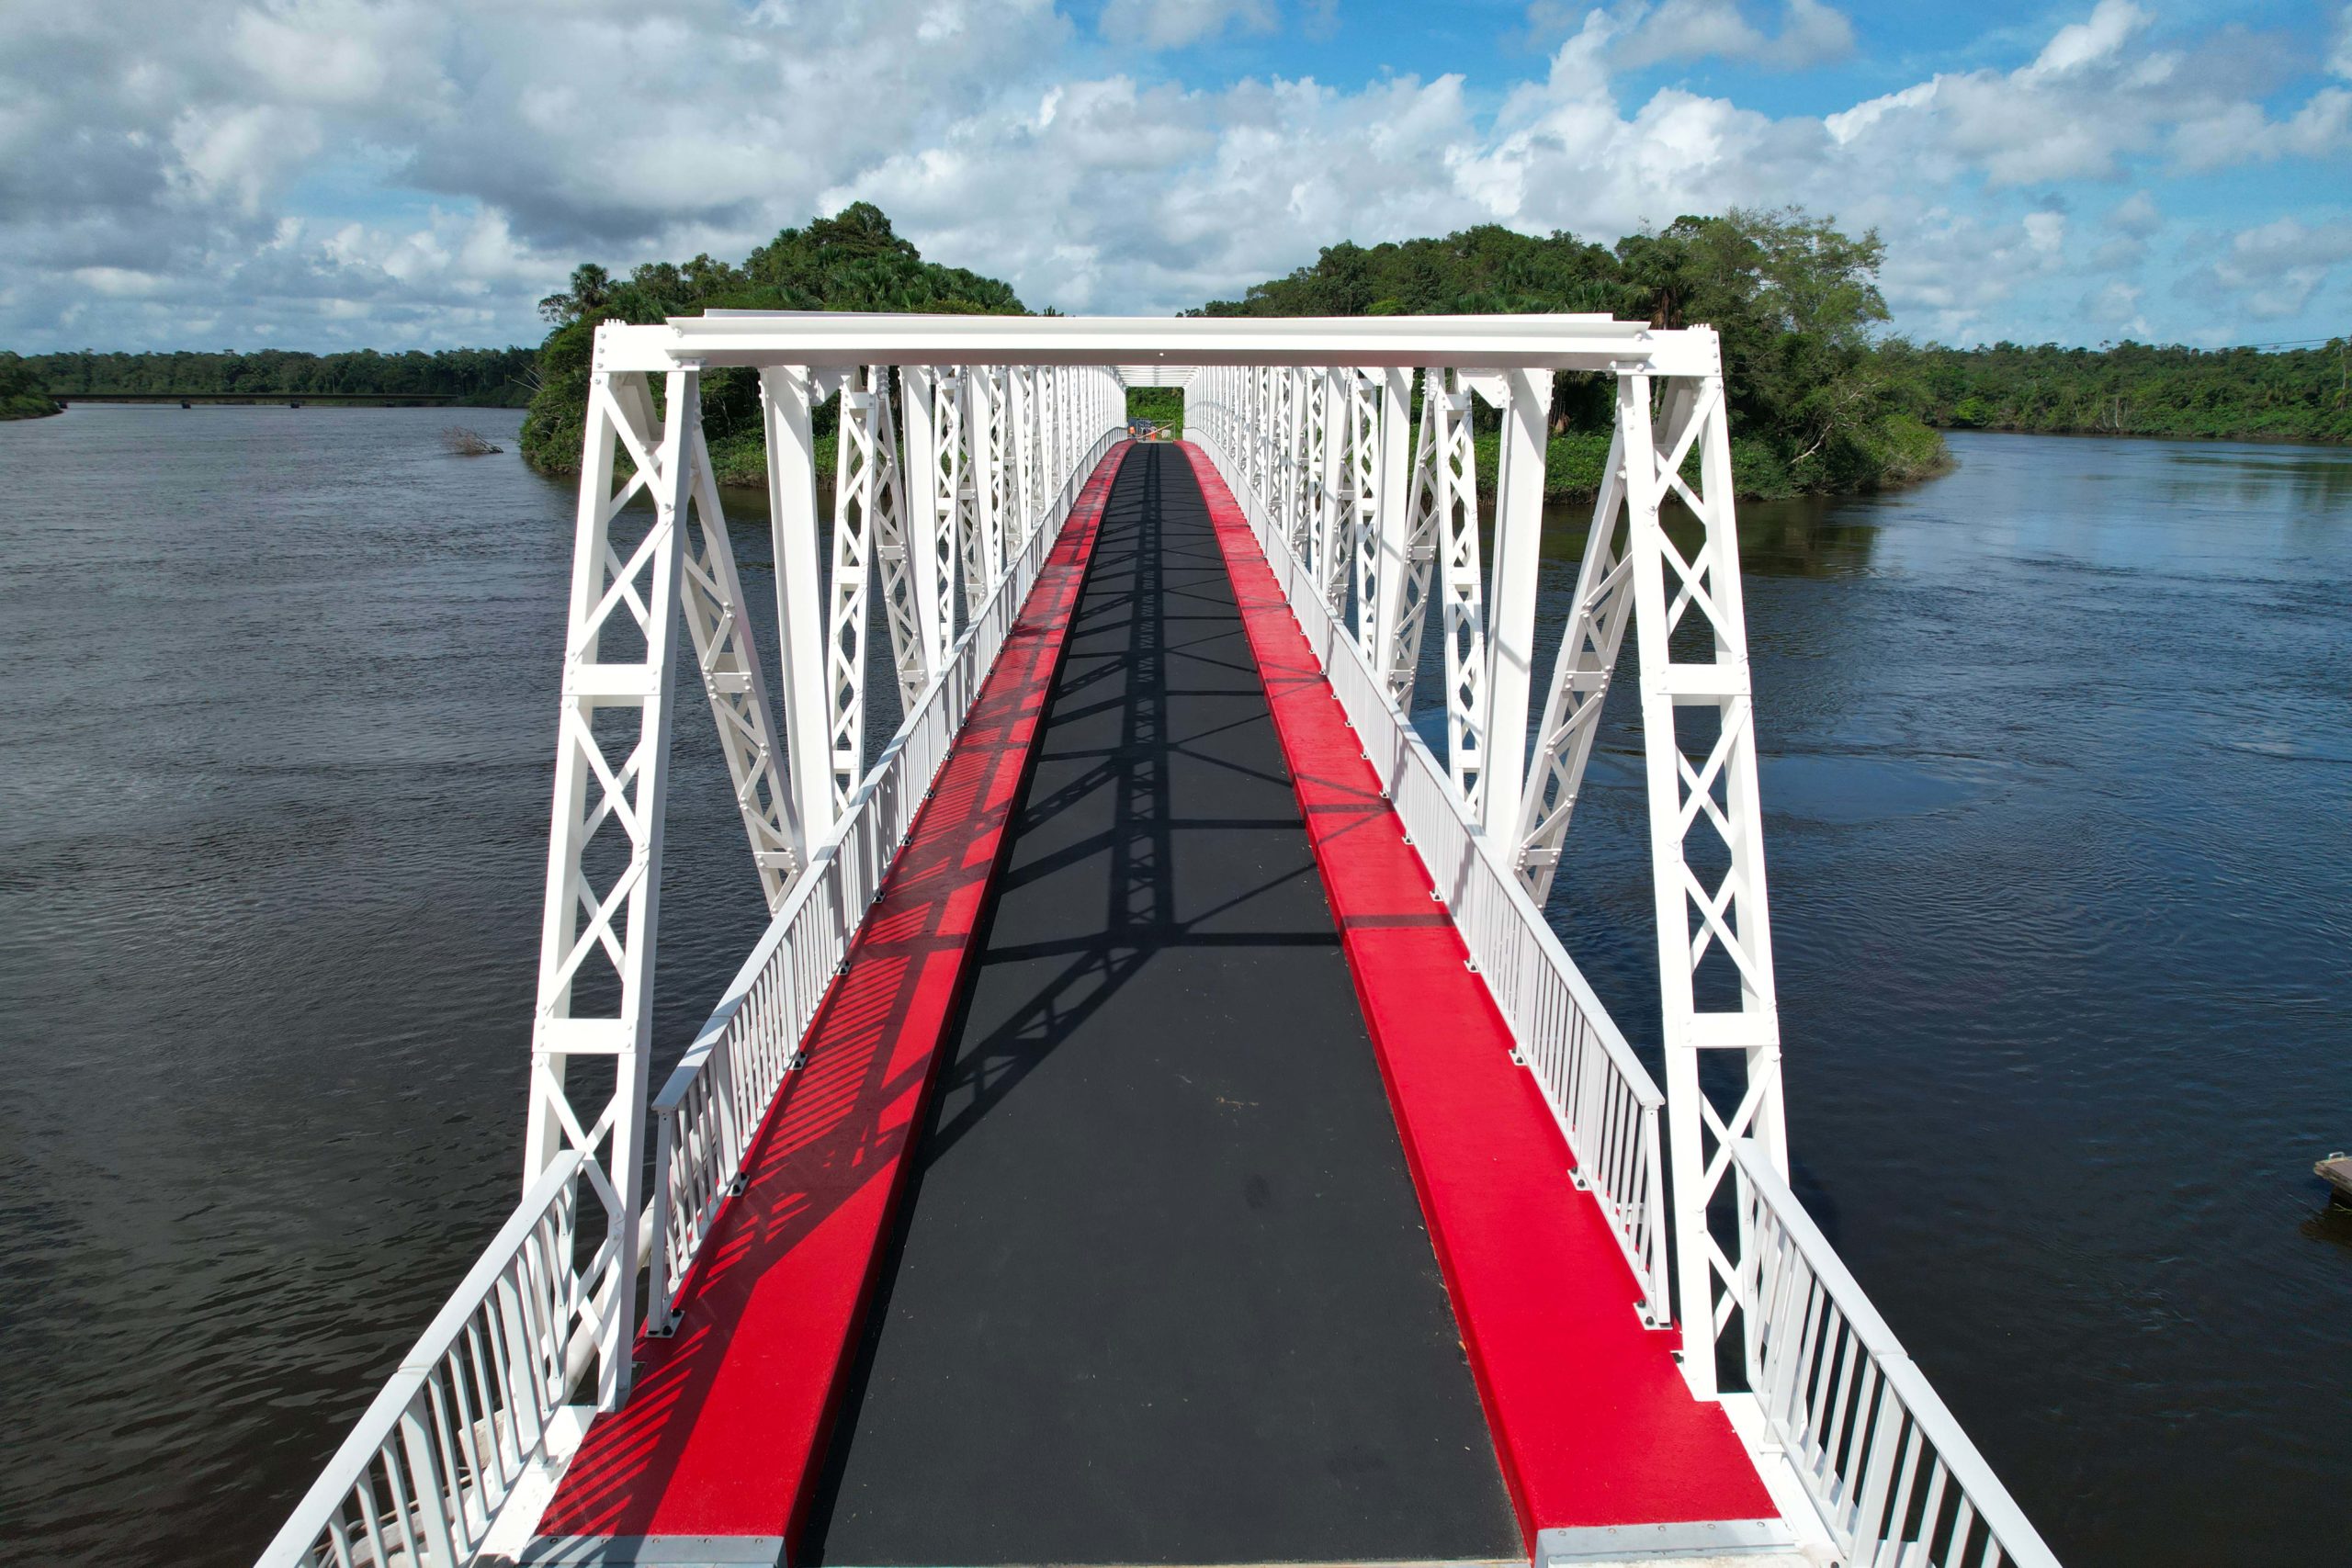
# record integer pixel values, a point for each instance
(1809, 32)
(2339, 57)
(2117, 305)
(1174, 23)
(2093, 42)
(2242, 133)
(414, 170)
(2135, 215)
(2273, 270)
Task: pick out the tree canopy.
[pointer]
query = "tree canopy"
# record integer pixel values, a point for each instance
(1796, 301)
(20, 391)
(491, 378)
(851, 260)
(2136, 389)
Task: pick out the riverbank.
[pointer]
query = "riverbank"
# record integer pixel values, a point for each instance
(2099, 433)
(2173, 392)
(20, 392)
(475, 377)
(1575, 463)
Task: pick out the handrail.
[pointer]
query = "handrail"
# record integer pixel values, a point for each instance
(1889, 1471)
(1604, 1100)
(422, 1474)
(422, 1477)
(710, 1109)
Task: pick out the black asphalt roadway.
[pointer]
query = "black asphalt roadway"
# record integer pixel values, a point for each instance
(1162, 1292)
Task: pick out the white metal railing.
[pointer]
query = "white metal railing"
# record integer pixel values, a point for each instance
(422, 1475)
(710, 1111)
(1896, 1481)
(1605, 1101)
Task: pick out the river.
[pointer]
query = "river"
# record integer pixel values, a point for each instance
(2059, 827)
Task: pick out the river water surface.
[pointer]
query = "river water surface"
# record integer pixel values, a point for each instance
(2058, 784)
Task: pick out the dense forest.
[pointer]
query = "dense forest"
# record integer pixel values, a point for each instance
(853, 261)
(484, 378)
(21, 396)
(2135, 388)
(1816, 408)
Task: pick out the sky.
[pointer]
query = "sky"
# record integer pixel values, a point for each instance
(396, 173)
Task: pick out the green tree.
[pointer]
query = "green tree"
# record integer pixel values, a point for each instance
(21, 395)
(1813, 404)
(851, 260)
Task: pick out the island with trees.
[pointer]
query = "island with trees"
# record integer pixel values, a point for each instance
(474, 378)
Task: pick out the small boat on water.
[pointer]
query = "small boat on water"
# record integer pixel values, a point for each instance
(2338, 1168)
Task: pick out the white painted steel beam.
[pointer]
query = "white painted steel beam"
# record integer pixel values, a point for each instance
(1561, 342)
(787, 399)
(1510, 639)
(603, 881)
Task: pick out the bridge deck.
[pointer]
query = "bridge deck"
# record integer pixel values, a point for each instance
(1161, 1291)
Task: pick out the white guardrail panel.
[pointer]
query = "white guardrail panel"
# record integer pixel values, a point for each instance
(1605, 1101)
(710, 1110)
(423, 1473)
(1894, 1478)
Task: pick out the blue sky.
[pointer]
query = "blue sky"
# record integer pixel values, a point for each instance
(325, 173)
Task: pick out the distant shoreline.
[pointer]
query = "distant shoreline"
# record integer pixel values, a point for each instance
(2319, 442)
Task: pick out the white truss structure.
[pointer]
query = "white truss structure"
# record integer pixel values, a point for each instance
(973, 431)
(868, 509)
(1413, 534)
(960, 440)
(603, 883)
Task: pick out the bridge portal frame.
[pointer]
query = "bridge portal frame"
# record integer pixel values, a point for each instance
(1320, 411)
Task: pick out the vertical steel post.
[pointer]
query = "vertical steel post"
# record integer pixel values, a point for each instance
(1511, 607)
(919, 392)
(787, 399)
(1454, 484)
(1393, 523)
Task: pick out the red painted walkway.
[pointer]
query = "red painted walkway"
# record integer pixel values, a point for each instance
(723, 1444)
(714, 1455)
(1592, 1421)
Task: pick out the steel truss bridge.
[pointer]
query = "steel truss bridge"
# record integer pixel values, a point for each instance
(1158, 1123)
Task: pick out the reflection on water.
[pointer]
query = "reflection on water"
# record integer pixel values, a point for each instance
(2056, 780)
(1805, 538)
(2331, 1224)
(2258, 475)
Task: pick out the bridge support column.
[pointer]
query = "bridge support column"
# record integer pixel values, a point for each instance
(789, 394)
(603, 881)
(1511, 635)
(1715, 981)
